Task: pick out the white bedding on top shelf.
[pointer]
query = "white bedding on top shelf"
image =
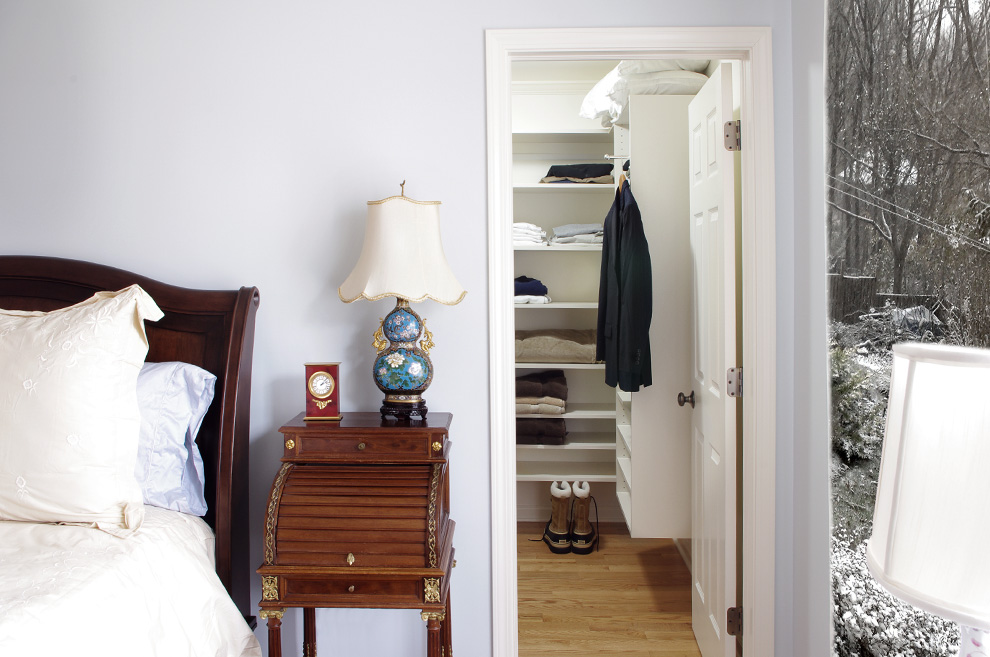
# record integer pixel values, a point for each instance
(608, 100)
(73, 590)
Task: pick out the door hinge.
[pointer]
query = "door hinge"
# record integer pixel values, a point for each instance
(734, 621)
(733, 135)
(734, 382)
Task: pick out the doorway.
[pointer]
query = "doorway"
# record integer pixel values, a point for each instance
(752, 47)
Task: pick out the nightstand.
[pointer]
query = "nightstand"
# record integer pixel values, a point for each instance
(358, 516)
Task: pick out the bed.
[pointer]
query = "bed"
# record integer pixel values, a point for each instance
(65, 586)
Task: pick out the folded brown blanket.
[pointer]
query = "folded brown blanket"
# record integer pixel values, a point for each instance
(548, 383)
(541, 427)
(524, 439)
(555, 346)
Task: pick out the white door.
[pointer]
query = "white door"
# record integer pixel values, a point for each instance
(713, 425)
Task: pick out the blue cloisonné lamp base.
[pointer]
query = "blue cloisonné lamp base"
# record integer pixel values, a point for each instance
(402, 368)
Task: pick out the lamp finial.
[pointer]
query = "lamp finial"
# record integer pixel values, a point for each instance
(402, 188)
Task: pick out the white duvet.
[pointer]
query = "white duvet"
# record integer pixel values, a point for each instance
(76, 591)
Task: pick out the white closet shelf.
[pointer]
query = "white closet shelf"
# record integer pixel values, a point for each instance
(579, 411)
(576, 440)
(546, 248)
(625, 504)
(568, 188)
(558, 305)
(626, 468)
(592, 471)
(625, 431)
(603, 135)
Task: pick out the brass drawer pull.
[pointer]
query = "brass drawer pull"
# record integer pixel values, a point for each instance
(361, 445)
(350, 589)
(350, 558)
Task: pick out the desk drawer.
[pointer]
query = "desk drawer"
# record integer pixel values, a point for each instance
(354, 591)
(350, 447)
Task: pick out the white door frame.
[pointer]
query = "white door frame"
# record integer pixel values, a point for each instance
(750, 45)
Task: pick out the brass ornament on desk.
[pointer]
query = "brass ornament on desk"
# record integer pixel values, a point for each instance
(431, 589)
(272, 514)
(431, 513)
(269, 587)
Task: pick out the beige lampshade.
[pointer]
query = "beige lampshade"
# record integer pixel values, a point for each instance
(931, 535)
(402, 255)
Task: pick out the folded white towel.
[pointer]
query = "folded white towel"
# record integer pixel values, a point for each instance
(531, 298)
(522, 225)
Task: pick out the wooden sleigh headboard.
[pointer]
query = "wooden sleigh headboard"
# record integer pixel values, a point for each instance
(213, 329)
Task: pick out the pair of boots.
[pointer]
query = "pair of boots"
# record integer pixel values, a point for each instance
(569, 528)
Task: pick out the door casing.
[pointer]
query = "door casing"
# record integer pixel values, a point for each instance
(752, 46)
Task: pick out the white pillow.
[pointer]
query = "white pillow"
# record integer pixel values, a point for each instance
(68, 411)
(640, 66)
(597, 104)
(173, 399)
(658, 83)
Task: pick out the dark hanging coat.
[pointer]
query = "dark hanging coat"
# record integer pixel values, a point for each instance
(625, 296)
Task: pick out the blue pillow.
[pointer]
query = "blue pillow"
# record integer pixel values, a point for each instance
(173, 399)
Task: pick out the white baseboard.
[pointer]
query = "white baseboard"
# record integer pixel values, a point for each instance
(683, 546)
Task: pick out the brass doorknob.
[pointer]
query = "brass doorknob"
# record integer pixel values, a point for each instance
(685, 399)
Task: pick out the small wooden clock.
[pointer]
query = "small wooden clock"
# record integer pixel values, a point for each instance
(322, 391)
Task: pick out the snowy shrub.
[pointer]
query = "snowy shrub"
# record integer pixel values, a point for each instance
(859, 404)
(870, 622)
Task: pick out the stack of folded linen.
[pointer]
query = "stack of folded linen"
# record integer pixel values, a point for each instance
(579, 173)
(578, 234)
(541, 393)
(539, 431)
(556, 346)
(530, 290)
(524, 234)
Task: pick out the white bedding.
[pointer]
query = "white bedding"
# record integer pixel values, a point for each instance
(608, 100)
(72, 590)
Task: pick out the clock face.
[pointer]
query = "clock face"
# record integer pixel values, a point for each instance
(321, 385)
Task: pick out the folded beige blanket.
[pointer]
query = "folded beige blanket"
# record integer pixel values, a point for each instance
(556, 401)
(555, 346)
(600, 180)
(538, 409)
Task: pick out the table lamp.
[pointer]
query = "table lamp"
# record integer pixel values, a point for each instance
(931, 536)
(402, 257)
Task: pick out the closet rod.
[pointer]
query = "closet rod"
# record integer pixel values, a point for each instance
(616, 157)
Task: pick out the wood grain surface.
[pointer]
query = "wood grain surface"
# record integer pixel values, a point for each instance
(631, 597)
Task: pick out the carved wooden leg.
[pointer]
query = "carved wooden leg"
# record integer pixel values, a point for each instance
(309, 632)
(274, 617)
(446, 637)
(433, 640)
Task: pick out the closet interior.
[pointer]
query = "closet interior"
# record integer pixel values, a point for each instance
(634, 448)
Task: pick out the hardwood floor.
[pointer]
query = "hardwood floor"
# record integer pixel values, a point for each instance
(631, 597)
